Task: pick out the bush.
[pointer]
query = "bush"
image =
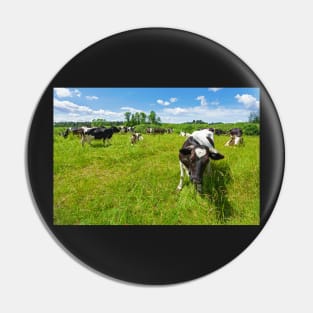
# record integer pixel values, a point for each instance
(251, 130)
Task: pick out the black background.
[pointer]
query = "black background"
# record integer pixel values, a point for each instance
(154, 58)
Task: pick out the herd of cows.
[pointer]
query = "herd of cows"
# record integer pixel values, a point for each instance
(194, 156)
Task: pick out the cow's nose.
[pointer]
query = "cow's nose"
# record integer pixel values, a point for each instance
(195, 179)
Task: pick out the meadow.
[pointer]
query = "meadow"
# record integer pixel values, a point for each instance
(121, 184)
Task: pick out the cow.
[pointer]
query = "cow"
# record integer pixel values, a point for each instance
(235, 137)
(75, 131)
(149, 130)
(98, 133)
(218, 132)
(123, 129)
(159, 130)
(195, 155)
(184, 134)
(79, 131)
(135, 137)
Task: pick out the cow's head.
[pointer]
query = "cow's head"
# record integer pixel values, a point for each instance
(115, 129)
(196, 158)
(66, 133)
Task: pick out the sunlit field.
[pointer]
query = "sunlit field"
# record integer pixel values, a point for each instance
(121, 184)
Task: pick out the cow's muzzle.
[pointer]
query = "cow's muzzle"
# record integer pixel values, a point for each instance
(197, 183)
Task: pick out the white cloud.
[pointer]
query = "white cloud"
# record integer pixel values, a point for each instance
(66, 92)
(248, 101)
(202, 100)
(176, 111)
(76, 92)
(69, 111)
(92, 98)
(217, 114)
(215, 89)
(130, 109)
(166, 103)
(62, 92)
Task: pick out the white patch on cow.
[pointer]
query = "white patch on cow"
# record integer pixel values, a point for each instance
(200, 152)
(237, 140)
(213, 150)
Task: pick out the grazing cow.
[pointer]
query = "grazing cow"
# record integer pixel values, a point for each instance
(131, 129)
(195, 155)
(218, 132)
(79, 131)
(159, 130)
(169, 130)
(184, 134)
(99, 133)
(135, 137)
(149, 130)
(235, 137)
(123, 129)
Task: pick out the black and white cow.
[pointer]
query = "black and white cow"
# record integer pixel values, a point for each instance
(73, 130)
(135, 138)
(79, 131)
(184, 134)
(235, 137)
(195, 155)
(99, 133)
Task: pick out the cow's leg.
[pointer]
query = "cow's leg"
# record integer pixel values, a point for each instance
(228, 142)
(180, 185)
(83, 140)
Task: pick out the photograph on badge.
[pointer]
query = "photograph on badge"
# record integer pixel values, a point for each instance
(156, 156)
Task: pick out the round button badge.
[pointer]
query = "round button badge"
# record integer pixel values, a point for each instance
(155, 156)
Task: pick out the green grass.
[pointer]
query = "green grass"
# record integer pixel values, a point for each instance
(136, 185)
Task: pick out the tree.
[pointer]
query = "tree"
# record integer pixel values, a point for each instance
(143, 117)
(127, 117)
(152, 117)
(99, 122)
(254, 117)
(137, 118)
(132, 120)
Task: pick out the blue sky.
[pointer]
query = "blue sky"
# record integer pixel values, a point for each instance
(173, 105)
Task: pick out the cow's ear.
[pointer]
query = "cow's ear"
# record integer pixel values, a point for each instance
(185, 151)
(216, 155)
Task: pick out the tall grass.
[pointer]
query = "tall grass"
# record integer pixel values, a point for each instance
(121, 184)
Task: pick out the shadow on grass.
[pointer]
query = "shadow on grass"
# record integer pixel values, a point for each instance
(215, 185)
(99, 145)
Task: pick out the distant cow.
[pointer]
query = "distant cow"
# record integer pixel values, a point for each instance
(184, 134)
(135, 137)
(149, 130)
(159, 130)
(235, 137)
(125, 129)
(73, 130)
(99, 133)
(218, 132)
(195, 155)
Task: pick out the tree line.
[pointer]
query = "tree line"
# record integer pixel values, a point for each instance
(141, 118)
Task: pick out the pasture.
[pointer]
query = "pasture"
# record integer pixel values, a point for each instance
(122, 184)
